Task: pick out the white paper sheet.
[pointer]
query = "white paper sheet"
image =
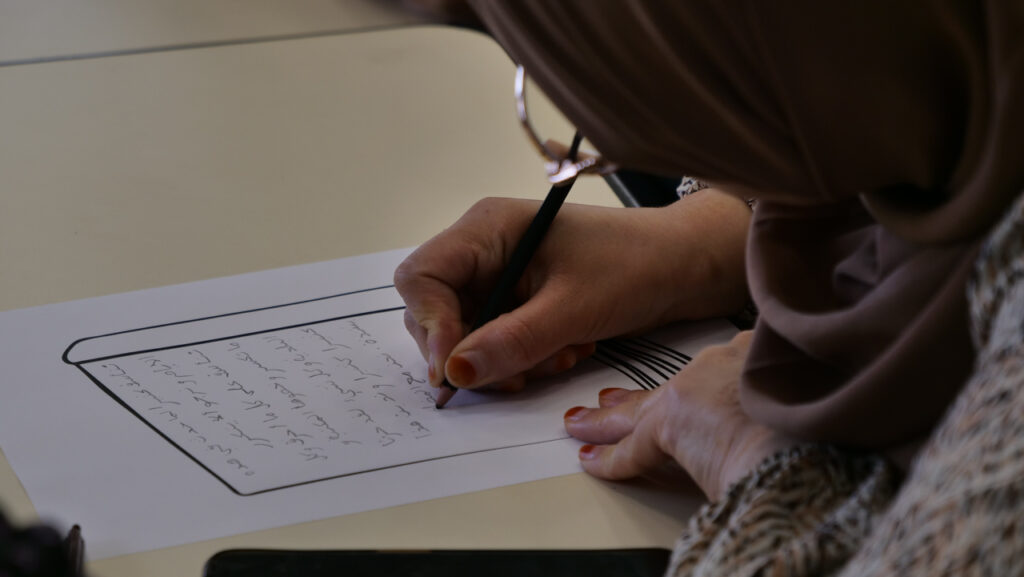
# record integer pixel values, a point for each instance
(196, 411)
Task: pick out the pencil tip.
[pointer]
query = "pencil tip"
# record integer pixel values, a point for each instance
(444, 395)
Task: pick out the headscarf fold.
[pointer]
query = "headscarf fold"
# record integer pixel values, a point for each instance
(882, 140)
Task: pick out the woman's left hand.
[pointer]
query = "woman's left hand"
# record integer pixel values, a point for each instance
(694, 419)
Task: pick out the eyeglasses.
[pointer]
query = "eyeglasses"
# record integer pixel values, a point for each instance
(561, 167)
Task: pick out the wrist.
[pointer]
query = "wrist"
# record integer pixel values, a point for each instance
(758, 445)
(708, 234)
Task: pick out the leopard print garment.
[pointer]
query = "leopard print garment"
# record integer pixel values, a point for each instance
(818, 511)
(803, 512)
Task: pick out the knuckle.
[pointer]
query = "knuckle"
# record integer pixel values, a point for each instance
(410, 322)
(720, 354)
(620, 463)
(484, 207)
(675, 392)
(714, 352)
(405, 275)
(665, 436)
(640, 408)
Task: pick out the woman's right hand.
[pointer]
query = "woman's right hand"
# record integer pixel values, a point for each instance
(600, 272)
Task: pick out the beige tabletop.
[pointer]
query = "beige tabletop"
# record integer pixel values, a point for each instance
(133, 171)
(31, 30)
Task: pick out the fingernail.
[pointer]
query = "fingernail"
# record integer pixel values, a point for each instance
(588, 452)
(460, 370)
(574, 413)
(436, 362)
(435, 372)
(610, 392)
(565, 361)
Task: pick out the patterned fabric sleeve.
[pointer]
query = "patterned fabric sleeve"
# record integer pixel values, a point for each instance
(803, 512)
(816, 511)
(690, 185)
(961, 511)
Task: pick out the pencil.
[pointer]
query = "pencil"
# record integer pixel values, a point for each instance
(74, 547)
(517, 263)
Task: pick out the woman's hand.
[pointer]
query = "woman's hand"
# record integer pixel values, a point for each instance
(694, 419)
(600, 272)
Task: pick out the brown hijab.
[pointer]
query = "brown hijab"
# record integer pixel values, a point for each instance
(882, 139)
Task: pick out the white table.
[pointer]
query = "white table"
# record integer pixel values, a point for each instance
(126, 172)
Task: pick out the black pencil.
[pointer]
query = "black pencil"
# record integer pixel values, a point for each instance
(74, 547)
(517, 263)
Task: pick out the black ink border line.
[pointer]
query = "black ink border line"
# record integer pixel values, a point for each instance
(648, 364)
(637, 375)
(67, 351)
(397, 465)
(664, 367)
(188, 453)
(121, 401)
(146, 422)
(654, 345)
(238, 336)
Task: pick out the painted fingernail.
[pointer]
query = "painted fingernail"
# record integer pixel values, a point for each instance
(574, 413)
(565, 361)
(610, 392)
(460, 370)
(431, 372)
(588, 452)
(435, 359)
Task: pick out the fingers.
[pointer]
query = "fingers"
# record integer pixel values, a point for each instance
(437, 335)
(694, 419)
(569, 298)
(459, 261)
(634, 455)
(614, 396)
(561, 361)
(620, 412)
(620, 436)
(419, 334)
(433, 312)
(533, 335)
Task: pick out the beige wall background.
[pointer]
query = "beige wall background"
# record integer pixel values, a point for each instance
(46, 29)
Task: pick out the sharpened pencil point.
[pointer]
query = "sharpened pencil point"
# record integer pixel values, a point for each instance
(444, 395)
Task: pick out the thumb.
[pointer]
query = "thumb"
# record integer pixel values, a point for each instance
(514, 342)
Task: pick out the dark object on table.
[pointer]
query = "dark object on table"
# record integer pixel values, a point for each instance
(589, 563)
(641, 189)
(34, 551)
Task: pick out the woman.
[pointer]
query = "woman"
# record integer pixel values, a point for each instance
(883, 145)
